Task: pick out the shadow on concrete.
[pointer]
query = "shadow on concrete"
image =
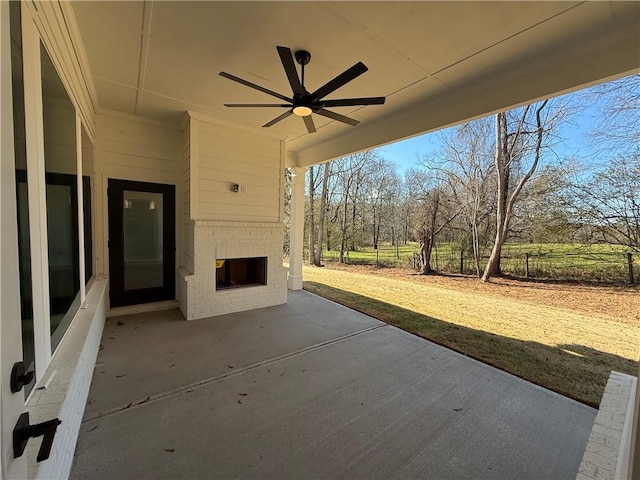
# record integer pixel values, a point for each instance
(576, 371)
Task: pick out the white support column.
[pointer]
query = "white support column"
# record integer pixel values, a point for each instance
(296, 230)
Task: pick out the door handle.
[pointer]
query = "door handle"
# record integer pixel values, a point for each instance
(20, 377)
(23, 431)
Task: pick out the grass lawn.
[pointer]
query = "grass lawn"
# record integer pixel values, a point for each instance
(567, 339)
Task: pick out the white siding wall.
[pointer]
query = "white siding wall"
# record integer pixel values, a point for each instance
(132, 148)
(230, 156)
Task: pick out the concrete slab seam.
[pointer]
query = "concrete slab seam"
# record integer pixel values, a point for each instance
(239, 371)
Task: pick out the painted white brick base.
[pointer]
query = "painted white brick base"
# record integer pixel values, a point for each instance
(65, 397)
(222, 240)
(606, 454)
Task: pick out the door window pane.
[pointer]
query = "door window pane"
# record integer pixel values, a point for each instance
(143, 243)
(22, 192)
(59, 120)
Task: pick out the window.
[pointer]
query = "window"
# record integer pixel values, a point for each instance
(59, 120)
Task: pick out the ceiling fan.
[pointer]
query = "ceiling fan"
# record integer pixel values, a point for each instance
(302, 103)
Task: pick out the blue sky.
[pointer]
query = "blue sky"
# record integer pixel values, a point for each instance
(574, 138)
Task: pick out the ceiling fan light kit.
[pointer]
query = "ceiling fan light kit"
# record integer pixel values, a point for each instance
(302, 103)
(302, 111)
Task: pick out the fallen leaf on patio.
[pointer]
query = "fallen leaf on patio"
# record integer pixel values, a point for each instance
(112, 338)
(120, 323)
(90, 401)
(229, 366)
(239, 401)
(120, 376)
(268, 370)
(457, 409)
(304, 370)
(172, 365)
(170, 450)
(243, 394)
(282, 374)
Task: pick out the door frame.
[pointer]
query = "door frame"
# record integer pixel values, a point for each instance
(115, 206)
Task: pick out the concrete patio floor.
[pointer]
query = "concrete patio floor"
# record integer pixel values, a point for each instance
(312, 389)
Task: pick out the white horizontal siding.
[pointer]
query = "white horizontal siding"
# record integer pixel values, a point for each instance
(134, 150)
(228, 156)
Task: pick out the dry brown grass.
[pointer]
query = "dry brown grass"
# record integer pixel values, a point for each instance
(564, 337)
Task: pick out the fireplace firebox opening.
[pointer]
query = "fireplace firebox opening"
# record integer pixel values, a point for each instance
(241, 272)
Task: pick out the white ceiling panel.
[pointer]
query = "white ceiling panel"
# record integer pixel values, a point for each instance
(112, 33)
(116, 97)
(437, 63)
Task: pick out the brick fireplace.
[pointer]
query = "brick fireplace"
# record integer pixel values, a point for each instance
(224, 249)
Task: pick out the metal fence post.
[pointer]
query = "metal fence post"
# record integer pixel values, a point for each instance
(630, 264)
(526, 259)
(461, 262)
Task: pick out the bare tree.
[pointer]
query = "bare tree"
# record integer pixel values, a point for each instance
(317, 258)
(610, 201)
(311, 212)
(519, 141)
(466, 167)
(619, 105)
(312, 224)
(434, 211)
(349, 176)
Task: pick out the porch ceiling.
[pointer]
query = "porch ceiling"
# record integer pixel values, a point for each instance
(438, 63)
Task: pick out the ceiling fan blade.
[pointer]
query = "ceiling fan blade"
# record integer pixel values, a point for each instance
(308, 122)
(286, 57)
(337, 116)
(277, 119)
(345, 77)
(288, 105)
(351, 102)
(253, 85)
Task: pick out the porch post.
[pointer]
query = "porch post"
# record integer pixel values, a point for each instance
(296, 230)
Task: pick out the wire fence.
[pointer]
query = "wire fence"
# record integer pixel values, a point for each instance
(613, 267)
(566, 263)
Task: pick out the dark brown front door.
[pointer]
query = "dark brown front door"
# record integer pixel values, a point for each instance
(141, 242)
